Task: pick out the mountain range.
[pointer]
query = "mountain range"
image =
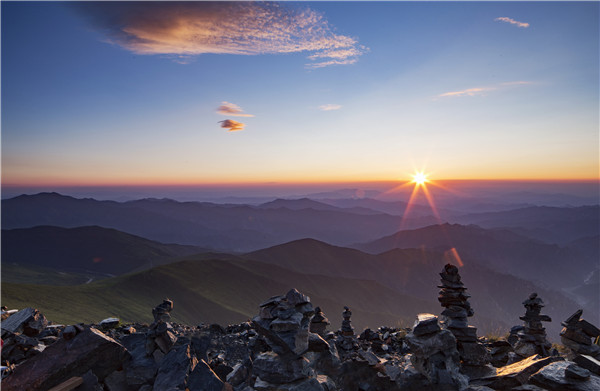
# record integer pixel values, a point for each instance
(223, 258)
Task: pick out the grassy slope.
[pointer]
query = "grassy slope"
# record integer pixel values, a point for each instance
(214, 291)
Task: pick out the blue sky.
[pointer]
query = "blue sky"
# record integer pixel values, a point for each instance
(94, 94)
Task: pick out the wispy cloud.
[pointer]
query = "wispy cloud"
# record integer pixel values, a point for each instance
(467, 92)
(232, 125)
(227, 108)
(475, 91)
(187, 29)
(512, 21)
(330, 107)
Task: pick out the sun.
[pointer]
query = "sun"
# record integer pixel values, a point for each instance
(420, 178)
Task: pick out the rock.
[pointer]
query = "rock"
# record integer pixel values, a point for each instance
(28, 321)
(552, 377)
(294, 297)
(90, 349)
(301, 385)
(436, 357)
(319, 323)
(589, 363)
(69, 332)
(327, 384)
(141, 369)
(272, 368)
(516, 374)
(109, 323)
(238, 375)
(454, 298)
(116, 381)
(162, 312)
(575, 372)
(165, 341)
(369, 357)
(577, 335)
(316, 343)
(90, 383)
(286, 330)
(203, 378)
(200, 344)
(175, 369)
(426, 324)
(68, 385)
(347, 329)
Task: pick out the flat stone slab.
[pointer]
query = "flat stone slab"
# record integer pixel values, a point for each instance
(64, 359)
(516, 374)
(589, 363)
(552, 377)
(28, 321)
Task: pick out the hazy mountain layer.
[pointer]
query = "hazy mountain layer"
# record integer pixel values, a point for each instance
(225, 227)
(501, 250)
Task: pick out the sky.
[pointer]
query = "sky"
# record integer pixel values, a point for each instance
(192, 93)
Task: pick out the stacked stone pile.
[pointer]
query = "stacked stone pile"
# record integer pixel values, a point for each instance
(435, 354)
(284, 323)
(160, 335)
(579, 336)
(455, 299)
(319, 323)
(532, 338)
(347, 329)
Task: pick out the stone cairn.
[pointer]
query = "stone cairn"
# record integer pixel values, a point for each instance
(347, 329)
(160, 333)
(457, 308)
(319, 323)
(577, 335)
(434, 354)
(284, 322)
(532, 338)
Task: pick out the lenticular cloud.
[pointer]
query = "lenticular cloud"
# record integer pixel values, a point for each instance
(194, 28)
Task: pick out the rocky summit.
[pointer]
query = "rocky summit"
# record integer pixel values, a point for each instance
(287, 346)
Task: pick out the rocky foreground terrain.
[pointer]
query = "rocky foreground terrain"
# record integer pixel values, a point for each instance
(291, 345)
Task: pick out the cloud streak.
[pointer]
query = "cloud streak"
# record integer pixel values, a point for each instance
(475, 91)
(330, 107)
(512, 21)
(231, 125)
(187, 29)
(227, 108)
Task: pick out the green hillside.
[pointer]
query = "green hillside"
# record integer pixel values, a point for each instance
(214, 291)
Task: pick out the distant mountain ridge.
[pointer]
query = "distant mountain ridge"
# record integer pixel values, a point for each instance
(224, 227)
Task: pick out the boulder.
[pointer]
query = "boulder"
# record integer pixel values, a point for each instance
(273, 368)
(589, 363)
(175, 368)
(516, 374)
(553, 377)
(203, 378)
(141, 369)
(90, 349)
(28, 321)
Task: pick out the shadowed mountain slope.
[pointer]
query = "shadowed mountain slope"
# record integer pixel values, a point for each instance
(86, 249)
